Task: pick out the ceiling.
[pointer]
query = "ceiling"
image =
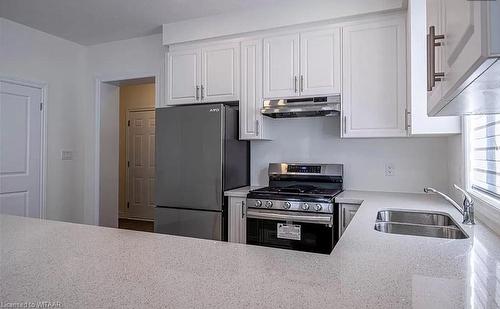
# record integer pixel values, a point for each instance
(90, 22)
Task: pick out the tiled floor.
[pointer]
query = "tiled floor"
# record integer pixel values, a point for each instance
(136, 225)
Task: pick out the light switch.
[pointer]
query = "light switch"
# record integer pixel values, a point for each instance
(66, 155)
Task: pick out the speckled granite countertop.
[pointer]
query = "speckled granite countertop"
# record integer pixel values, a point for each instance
(84, 266)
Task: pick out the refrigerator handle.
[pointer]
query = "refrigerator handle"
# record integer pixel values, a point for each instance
(218, 193)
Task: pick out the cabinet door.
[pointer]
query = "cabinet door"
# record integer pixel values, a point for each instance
(220, 72)
(347, 212)
(183, 69)
(251, 101)
(421, 123)
(281, 66)
(462, 42)
(374, 79)
(320, 62)
(434, 10)
(237, 220)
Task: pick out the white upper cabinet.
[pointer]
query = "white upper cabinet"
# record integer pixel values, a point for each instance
(203, 74)
(281, 66)
(320, 62)
(434, 19)
(220, 74)
(251, 102)
(183, 76)
(462, 35)
(374, 79)
(463, 45)
(420, 123)
(302, 64)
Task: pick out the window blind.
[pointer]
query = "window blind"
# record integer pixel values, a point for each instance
(484, 136)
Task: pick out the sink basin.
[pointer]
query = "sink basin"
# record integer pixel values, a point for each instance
(417, 223)
(420, 230)
(414, 217)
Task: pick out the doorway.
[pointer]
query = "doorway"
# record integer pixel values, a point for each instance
(22, 148)
(127, 153)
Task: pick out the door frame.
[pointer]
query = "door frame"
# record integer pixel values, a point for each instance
(44, 87)
(127, 174)
(98, 81)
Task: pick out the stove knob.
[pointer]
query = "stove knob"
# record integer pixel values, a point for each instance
(287, 205)
(318, 207)
(269, 204)
(258, 203)
(305, 206)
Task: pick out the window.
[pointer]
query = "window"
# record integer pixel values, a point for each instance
(484, 156)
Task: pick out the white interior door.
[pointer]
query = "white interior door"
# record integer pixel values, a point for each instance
(141, 164)
(281, 66)
(20, 149)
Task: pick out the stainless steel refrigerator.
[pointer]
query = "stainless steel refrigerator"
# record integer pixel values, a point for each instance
(198, 157)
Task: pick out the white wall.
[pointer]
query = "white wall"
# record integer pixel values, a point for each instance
(108, 153)
(32, 55)
(114, 61)
(418, 162)
(272, 16)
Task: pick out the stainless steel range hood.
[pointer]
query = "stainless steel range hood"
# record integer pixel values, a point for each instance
(302, 107)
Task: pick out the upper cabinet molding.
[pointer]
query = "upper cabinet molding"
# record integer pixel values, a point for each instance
(270, 17)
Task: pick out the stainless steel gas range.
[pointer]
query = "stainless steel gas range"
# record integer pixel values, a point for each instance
(297, 210)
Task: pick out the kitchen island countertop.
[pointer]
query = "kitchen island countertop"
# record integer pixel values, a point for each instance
(87, 266)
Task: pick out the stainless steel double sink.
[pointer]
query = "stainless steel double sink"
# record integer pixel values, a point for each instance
(417, 223)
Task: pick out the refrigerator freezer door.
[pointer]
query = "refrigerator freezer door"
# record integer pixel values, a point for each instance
(189, 142)
(190, 223)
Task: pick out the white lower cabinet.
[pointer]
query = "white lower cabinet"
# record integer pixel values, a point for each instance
(374, 79)
(346, 213)
(237, 224)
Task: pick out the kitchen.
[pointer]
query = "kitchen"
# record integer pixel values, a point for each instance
(334, 100)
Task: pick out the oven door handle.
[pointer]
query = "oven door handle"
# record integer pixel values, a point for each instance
(325, 219)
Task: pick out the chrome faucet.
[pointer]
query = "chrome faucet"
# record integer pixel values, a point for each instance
(467, 210)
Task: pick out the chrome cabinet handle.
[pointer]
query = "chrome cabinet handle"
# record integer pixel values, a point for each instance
(257, 127)
(407, 119)
(301, 83)
(295, 79)
(242, 209)
(197, 93)
(343, 219)
(202, 92)
(345, 124)
(432, 75)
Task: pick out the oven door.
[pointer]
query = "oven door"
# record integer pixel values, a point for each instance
(291, 230)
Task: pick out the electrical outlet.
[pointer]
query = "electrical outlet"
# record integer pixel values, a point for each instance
(390, 170)
(66, 155)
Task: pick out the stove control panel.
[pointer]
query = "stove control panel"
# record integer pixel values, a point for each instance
(307, 169)
(291, 205)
